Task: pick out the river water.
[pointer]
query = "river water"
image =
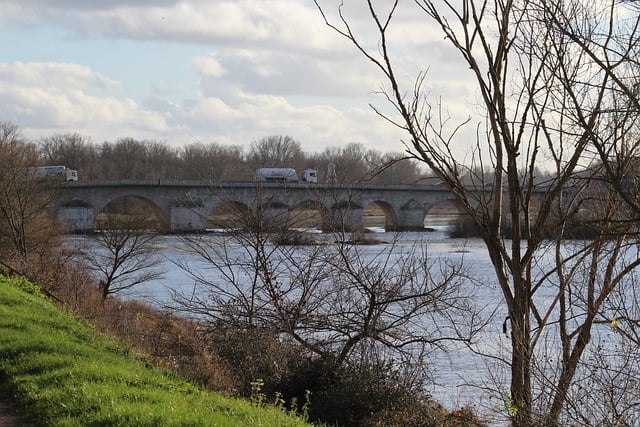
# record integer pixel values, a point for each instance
(460, 376)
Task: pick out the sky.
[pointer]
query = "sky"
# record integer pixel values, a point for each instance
(202, 71)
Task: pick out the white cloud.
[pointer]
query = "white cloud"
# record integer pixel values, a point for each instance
(208, 66)
(52, 74)
(60, 98)
(294, 24)
(68, 97)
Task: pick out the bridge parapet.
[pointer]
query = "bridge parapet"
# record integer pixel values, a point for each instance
(255, 184)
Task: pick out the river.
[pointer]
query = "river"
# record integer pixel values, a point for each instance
(460, 376)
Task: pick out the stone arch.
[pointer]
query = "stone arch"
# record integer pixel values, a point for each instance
(127, 204)
(230, 215)
(379, 213)
(310, 214)
(444, 214)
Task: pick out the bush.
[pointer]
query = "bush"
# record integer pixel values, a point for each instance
(289, 237)
(366, 394)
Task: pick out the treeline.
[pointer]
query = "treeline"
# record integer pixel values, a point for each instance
(128, 158)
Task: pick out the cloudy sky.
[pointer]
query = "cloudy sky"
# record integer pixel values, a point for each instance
(204, 71)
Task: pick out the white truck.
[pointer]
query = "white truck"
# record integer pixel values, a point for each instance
(55, 172)
(310, 175)
(285, 175)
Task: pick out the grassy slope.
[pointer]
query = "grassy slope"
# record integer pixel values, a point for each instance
(62, 372)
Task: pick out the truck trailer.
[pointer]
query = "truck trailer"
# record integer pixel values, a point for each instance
(55, 172)
(285, 175)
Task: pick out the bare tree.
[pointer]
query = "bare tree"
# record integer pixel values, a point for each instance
(214, 162)
(123, 159)
(351, 163)
(161, 161)
(124, 254)
(26, 226)
(395, 168)
(71, 150)
(276, 151)
(555, 84)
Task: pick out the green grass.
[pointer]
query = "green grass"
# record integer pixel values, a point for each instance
(61, 372)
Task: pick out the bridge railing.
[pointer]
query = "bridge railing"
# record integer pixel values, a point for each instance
(248, 184)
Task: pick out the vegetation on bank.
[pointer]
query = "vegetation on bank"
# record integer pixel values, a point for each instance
(60, 371)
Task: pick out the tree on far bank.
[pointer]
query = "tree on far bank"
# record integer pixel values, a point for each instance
(71, 150)
(276, 152)
(214, 162)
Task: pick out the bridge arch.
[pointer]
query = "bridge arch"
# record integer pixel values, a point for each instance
(129, 205)
(379, 213)
(444, 214)
(230, 214)
(310, 214)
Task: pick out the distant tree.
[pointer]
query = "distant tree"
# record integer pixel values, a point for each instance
(160, 161)
(215, 162)
(395, 168)
(124, 255)
(350, 162)
(276, 151)
(124, 159)
(71, 150)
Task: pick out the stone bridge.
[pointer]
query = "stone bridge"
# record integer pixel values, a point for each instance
(184, 206)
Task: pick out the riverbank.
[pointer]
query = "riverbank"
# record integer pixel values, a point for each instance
(60, 371)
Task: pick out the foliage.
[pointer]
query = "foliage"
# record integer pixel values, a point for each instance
(268, 368)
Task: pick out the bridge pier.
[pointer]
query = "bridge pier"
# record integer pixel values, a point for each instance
(187, 219)
(411, 217)
(75, 219)
(347, 218)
